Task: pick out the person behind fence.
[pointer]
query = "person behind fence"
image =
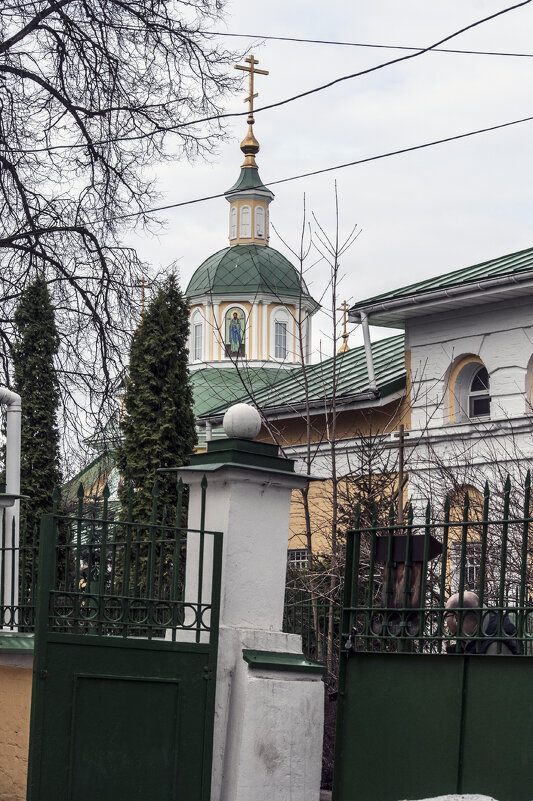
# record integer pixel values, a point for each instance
(477, 631)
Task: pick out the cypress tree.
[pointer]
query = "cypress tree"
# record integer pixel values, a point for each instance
(35, 380)
(158, 428)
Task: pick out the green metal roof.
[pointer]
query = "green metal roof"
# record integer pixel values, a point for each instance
(246, 269)
(95, 472)
(248, 179)
(213, 387)
(349, 379)
(519, 262)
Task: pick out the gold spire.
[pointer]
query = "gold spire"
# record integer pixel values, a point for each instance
(344, 347)
(250, 145)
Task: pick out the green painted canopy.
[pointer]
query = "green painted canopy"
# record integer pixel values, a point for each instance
(249, 269)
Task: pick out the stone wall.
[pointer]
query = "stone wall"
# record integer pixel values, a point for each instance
(15, 700)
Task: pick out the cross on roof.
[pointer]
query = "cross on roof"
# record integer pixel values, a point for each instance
(251, 72)
(344, 347)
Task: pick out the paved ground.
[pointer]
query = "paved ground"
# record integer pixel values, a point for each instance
(325, 795)
(460, 798)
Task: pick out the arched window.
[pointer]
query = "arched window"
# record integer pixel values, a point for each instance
(479, 397)
(260, 222)
(246, 222)
(197, 332)
(233, 223)
(280, 333)
(469, 390)
(280, 339)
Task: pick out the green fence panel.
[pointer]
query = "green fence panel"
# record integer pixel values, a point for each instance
(436, 668)
(125, 662)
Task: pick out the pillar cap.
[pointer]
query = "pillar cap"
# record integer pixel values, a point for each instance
(242, 421)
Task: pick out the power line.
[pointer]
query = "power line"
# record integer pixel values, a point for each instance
(279, 103)
(369, 45)
(366, 160)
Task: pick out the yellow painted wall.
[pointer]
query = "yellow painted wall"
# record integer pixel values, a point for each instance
(253, 239)
(350, 424)
(15, 699)
(453, 378)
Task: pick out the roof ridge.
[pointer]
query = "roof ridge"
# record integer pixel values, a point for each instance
(471, 274)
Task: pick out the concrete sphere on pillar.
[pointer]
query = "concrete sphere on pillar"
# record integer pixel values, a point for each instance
(242, 421)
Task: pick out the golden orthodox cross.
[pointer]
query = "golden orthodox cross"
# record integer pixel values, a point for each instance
(344, 347)
(251, 72)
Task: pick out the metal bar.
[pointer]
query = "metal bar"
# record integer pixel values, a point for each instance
(103, 562)
(405, 644)
(33, 585)
(503, 561)
(504, 542)
(524, 556)
(371, 564)
(201, 557)
(462, 561)
(23, 580)
(3, 566)
(444, 561)
(408, 563)
(150, 565)
(423, 581)
(177, 545)
(136, 558)
(484, 542)
(162, 551)
(14, 577)
(389, 562)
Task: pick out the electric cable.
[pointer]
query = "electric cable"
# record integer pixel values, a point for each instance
(307, 93)
(369, 45)
(366, 160)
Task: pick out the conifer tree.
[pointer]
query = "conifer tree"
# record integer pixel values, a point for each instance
(35, 380)
(158, 428)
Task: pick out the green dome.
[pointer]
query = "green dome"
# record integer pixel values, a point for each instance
(246, 269)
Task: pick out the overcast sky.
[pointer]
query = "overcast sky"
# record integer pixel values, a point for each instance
(420, 214)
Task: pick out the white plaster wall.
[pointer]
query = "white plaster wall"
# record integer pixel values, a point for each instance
(501, 335)
(252, 509)
(268, 725)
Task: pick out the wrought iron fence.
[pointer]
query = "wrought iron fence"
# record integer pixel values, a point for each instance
(113, 576)
(18, 576)
(459, 584)
(316, 619)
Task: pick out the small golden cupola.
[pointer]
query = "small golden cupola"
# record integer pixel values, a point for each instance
(249, 199)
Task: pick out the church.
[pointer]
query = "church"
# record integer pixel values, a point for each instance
(440, 407)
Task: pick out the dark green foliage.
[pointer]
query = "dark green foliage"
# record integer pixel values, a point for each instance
(35, 380)
(158, 426)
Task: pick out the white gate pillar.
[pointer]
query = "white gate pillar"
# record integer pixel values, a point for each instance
(10, 502)
(269, 698)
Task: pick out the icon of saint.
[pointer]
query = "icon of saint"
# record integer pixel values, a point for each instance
(235, 333)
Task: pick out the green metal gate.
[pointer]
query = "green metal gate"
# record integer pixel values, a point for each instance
(125, 661)
(425, 710)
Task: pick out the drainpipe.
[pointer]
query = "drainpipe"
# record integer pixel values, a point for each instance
(368, 351)
(14, 409)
